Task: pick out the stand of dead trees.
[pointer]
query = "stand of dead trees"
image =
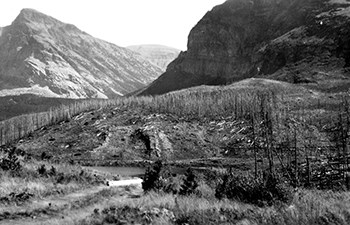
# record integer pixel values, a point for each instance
(309, 151)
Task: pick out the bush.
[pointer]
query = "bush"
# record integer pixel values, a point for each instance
(52, 171)
(158, 178)
(11, 162)
(190, 183)
(173, 184)
(129, 215)
(42, 170)
(155, 177)
(209, 216)
(262, 191)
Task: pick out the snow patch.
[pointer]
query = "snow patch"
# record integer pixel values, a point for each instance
(19, 48)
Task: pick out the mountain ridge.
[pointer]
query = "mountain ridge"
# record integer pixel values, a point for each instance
(37, 50)
(234, 40)
(159, 55)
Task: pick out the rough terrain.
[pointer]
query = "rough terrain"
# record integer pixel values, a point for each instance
(299, 41)
(44, 56)
(135, 135)
(65, 209)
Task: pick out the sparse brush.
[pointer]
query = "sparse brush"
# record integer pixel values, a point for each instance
(35, 179)
(260, 191)
(42, 170)
(154, 178)
(190, 183)
(11, 162)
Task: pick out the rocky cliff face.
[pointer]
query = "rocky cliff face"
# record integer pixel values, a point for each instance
(241, 39)
(158, 55)
(41, 55)
(318, 52)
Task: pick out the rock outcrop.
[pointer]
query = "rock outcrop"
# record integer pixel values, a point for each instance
(41, 55)
(158, 55)
(241, 39)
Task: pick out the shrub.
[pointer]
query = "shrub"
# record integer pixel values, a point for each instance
(209, 216)
(262, 191)
(42, 170)
(155, 177)
(10, 162)
(173, 184)
(190, 183)
(52, 171)
(130, 215)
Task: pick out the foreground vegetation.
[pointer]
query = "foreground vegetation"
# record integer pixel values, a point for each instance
(23, 178)
(192, 198)
(307, 207)
(195, 198)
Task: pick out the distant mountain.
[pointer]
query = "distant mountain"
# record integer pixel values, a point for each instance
(41, 55)
(299, 41)
(159, 55)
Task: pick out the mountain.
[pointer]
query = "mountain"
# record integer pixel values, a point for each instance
(159, 55)
(290, 40)
(41, 55)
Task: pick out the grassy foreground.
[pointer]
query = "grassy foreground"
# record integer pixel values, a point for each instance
(307, 207)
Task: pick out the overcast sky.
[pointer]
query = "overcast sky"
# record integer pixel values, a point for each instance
(122, 22)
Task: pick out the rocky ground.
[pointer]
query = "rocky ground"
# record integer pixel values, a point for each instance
(131, 136)
(135, 135)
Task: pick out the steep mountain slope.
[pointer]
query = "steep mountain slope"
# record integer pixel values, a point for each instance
(241, 39)
(41, 55)
(316, 54)
(159, 55)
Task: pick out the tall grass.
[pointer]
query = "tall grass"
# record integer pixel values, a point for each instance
(308, 207)
(67, 178)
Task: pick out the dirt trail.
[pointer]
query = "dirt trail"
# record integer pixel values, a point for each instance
(67, 209)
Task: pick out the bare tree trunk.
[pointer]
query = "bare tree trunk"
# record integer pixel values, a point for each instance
(254, 148)
(295, 158)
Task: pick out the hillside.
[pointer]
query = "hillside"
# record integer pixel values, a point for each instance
(159, 55)
(43, 56)
(231, 136)
(290, 40)
(178, 126)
